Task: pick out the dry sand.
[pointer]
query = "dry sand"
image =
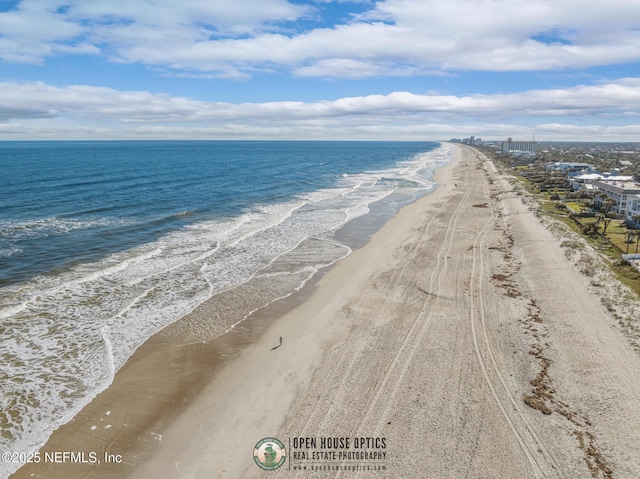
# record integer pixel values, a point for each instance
(460, 334)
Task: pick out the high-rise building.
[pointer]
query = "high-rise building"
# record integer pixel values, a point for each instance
(511, 145)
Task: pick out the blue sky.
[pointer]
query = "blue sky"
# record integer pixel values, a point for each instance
(320, 69)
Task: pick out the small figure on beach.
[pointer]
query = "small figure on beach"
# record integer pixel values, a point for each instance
(276, 347)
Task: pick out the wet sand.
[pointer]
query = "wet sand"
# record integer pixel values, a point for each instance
(460, 334)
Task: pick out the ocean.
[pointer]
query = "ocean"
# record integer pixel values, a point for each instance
(103, 244)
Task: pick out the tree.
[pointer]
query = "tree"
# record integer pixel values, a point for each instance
(629, 240)
(599, 217)
(583, 207)
(586, 200)
(636, 221)
(590, 229)
(609, 204)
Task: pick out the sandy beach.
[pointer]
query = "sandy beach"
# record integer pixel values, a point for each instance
(460, 341)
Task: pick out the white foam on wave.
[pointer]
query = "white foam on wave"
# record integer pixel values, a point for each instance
(108, 347)
(304, 275)
(54, 225)
(10, 251)
(13, 232)
(63, 338)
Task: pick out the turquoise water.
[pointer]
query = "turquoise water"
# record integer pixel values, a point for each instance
(102, 244)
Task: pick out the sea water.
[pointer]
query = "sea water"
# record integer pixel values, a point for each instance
(103, 244)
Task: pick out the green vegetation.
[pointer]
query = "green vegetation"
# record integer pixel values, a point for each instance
(608, 235)
(623, 157)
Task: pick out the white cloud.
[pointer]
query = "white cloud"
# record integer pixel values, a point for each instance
(43, 110)
(237, 16)
(394, 37)
(37, 28)
(35, 31)
(395, 131)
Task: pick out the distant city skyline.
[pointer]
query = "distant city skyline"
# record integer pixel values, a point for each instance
(562, 70)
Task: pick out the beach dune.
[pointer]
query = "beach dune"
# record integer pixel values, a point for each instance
(459, 342)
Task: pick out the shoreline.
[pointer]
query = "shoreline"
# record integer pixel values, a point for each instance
(168, 391)
(460, 334)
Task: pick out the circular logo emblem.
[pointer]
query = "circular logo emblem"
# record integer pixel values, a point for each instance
(269, 453)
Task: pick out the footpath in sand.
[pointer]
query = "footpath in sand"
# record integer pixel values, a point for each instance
(460, 341)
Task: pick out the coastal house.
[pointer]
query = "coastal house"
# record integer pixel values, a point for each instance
(586, 181)
(619, 191)
(571, 169)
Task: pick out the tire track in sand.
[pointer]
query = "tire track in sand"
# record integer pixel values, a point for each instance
(331, 387)
(543, 463)
(387, 389)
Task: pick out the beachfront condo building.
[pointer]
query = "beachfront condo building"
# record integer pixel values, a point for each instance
(620, 191)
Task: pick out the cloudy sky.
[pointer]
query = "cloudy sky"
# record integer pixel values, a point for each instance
(320, 69)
